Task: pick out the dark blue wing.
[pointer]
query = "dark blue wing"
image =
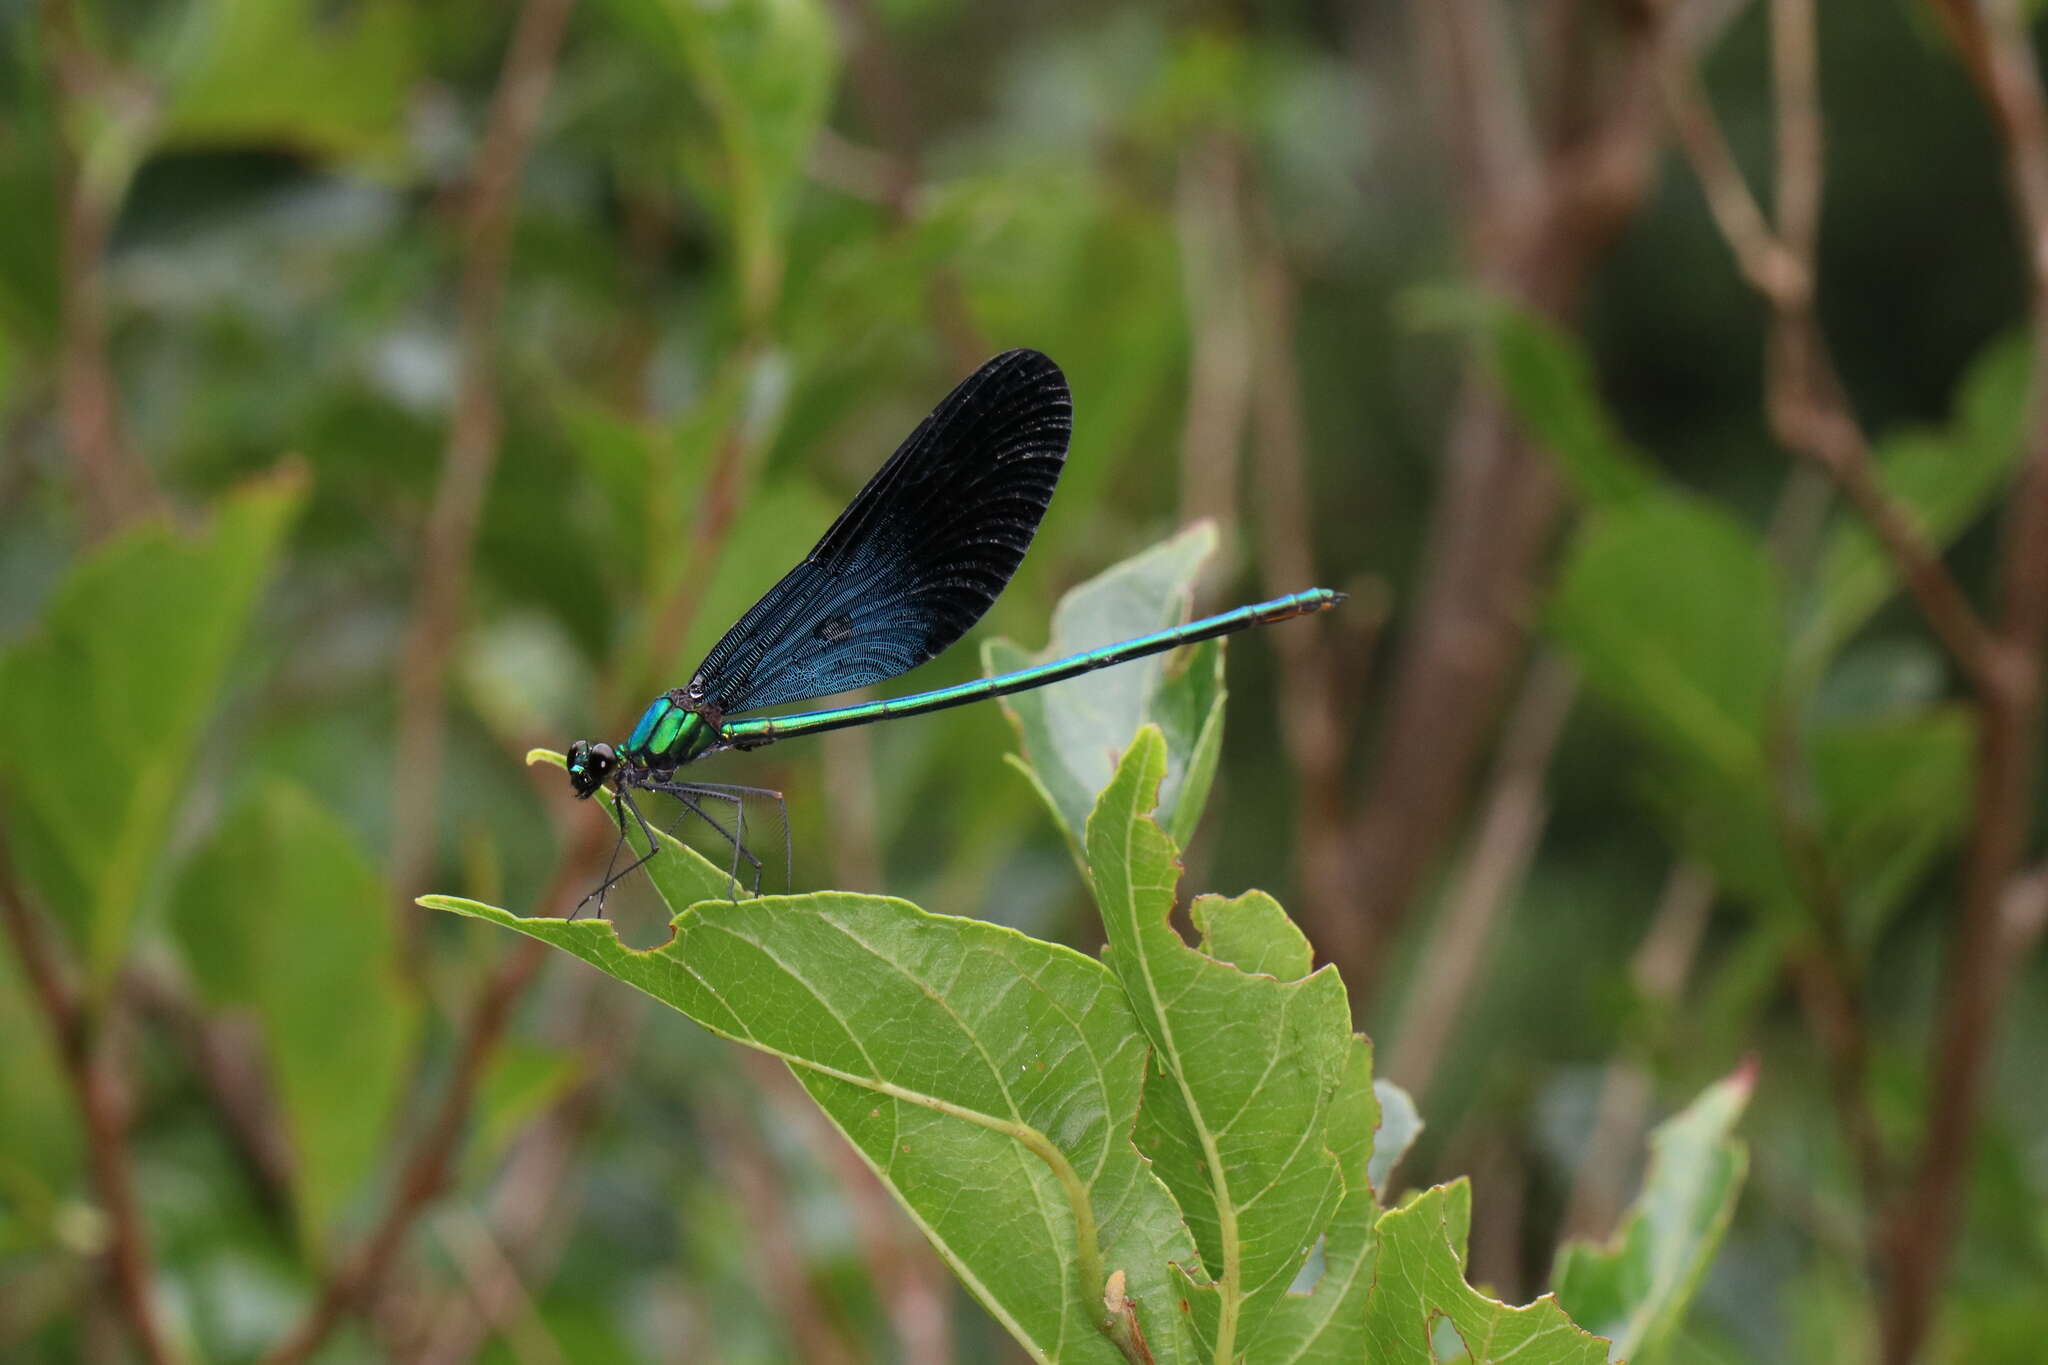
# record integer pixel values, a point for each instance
(917, 557)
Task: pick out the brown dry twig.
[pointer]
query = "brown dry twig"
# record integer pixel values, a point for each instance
(1920, 1238)
(2000, 661)
(448, 541)
(426, 1170)
(83, 1057)
(114, 111)
(1541, 208)
(1809, 410)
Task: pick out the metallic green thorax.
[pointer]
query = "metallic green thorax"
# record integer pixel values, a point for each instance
(669, 735)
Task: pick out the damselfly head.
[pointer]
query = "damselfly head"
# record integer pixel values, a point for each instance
(589, 765)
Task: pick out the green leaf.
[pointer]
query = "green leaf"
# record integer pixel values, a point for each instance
(991, 1080)
(107, 700)
(1673, 613)
(1942, 479)
(1072, 734)
(281, 913)
(765, 69)
(1246, 1065)
(1635, 1290)
(520, 1081)
(1549, 382)
(1419, 1282)
(40, 1143)
(1894, 791)
(1326, 1321)
(292, 73)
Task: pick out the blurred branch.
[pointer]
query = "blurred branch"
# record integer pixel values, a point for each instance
(226, 1055)
(1313, 702)
(426, 1170)
(1921, 1237)
(1657, 972)
(1811, 416)
(732, 467)
(528, 1216)
(1209, 222)
(774, 1246)
(2002, 665)
(1540, 210)
(1510, 825)
(495, 1288)
(88, 1066)
(914, 1285)
(102, 117)
(884, 92)
(1826, 976)
(1809, 410)
(449, 539)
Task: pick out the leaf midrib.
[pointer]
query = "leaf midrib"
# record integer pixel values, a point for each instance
(1228, 1284)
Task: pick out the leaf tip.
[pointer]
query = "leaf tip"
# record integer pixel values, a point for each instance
(534, 756)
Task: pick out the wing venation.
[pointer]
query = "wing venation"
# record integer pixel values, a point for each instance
(919, 554)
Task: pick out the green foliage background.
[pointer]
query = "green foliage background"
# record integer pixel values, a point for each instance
(722, 300)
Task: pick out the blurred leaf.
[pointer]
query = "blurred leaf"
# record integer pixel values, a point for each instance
(948, 1051)
(1072, 733)
(1548, 380)
(1635, 1290)
(40, 1143)
(29, 308)
(1895, 795)
(1419, 1281)
(292, 73)
(1673, 612)
(106, 703)
(765, 69)
(282, 914)
(1732, 826)
(520, 1081)
(1057, 261)
(1247, 1063)
(1942, 479)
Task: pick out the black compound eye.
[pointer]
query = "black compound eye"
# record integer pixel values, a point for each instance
(589, 764)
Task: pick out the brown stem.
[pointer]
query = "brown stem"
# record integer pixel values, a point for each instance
(1809, 409)
(2001, 664)
(885, 96)
(226, 1054)
(1538, 224)
(1920, 1241)
(434, 1150)
(426, 1171)
(914, 1285)
(1211, 229)
(1510, 825)
(781, 1271)
(1313, 715)
(530, 1215)
(99, 1089)
(495, 1288)
(116, 485)
(716, 511)
(449, 540)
